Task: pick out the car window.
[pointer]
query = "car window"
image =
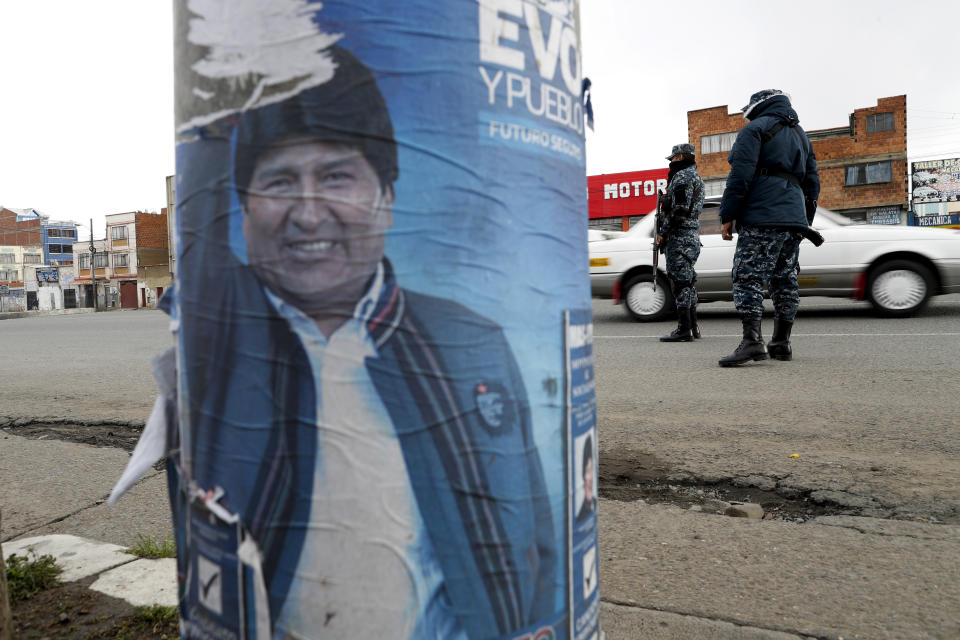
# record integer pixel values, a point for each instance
(710, 217)
(643, 228)
(711, 224)
(826, 219)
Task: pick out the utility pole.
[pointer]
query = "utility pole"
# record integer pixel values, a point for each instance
(93, 278)
(504, 483)
(6, 618)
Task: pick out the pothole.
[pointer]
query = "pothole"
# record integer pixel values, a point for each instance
(121, 436)
(645, 478)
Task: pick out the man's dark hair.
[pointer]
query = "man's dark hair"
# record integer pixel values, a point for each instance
(349, 109)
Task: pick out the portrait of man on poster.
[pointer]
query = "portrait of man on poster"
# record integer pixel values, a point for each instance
(589, 480)
(397, 489)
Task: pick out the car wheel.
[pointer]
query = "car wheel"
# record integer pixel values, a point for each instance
(900, 288)
(643, 304)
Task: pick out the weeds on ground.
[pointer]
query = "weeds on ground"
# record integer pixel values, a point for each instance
(156, 621)
(156, 614)
(147, 547)
(28, 576)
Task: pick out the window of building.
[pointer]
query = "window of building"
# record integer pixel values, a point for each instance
(880, 122)
(68, 233)
(717, 143)
(121, 260)
(32, 258)
(100, 260)
(54, 248)
(84, 260)
(119, 232)
(7, 258)
(53, 233)
(869, 173)
(9, 274)
(714, 187)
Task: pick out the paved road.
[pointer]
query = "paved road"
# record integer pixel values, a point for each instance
(869, 405)
(85, 367)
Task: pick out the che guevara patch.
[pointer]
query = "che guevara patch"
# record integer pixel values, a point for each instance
(494, 406)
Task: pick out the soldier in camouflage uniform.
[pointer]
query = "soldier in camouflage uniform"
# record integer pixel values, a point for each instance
(771, 195)
(681, 231)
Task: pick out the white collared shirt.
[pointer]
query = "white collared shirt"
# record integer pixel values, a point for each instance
(367, 568)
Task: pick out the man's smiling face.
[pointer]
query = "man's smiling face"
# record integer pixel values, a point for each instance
(315, 222)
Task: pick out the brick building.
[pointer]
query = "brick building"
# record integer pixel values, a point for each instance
(153, 258)
(863, 164)
(21, 227)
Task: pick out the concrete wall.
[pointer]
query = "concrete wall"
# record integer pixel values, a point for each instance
(14, 302)
(50, 297)
(150, 280)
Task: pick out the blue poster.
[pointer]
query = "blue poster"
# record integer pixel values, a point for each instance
(381, 229)
(583, 561)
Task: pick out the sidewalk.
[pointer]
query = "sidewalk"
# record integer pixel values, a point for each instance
(666, 573)
(139, 581)
(9, 315)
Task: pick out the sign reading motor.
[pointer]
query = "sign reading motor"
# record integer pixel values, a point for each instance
(633, 193)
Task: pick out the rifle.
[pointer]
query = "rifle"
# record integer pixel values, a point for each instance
(657, 248)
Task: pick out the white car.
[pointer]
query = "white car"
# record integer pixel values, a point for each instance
(896, 268)
(596, 235)
(921, 193)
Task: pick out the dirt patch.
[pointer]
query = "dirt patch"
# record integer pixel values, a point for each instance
(75, 612)
(644, 477)
(120, 436)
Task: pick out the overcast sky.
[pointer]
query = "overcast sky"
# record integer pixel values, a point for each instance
(86, 117)
(651, 62)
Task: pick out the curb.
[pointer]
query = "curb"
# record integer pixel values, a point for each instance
(138, 581)
(11, 315)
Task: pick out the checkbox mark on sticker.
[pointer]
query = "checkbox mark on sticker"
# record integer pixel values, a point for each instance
(206, 587)
(210, 584)
(589, 571)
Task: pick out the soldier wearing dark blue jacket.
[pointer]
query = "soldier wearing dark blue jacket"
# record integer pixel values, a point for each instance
(372, 445)
(771, 195)
(683, 204)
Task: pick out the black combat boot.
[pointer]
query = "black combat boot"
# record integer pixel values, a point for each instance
(779, 346)
(751, 347)
(694, 325)
(682, 333)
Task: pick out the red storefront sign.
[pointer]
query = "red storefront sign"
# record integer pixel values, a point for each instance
(633, 193)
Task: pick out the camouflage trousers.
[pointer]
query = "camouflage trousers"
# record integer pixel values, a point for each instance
(682, 251)
(766, 258)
